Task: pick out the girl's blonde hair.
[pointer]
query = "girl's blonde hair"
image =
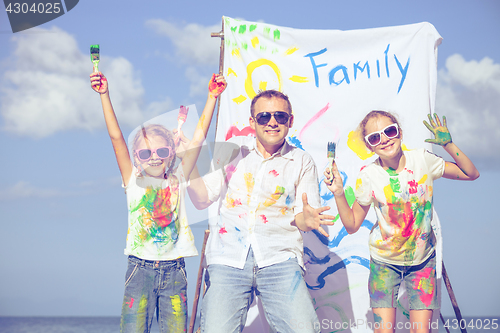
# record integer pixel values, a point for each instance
(155, 130)
(376, 114)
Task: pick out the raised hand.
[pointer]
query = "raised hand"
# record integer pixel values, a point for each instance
(217, 85)
(99, 83)
(312, 218)
(441, 133)
(182, 143)
(334, 181)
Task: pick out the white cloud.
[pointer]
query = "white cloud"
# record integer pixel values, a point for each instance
(192, 41)
(468, 94)
(23, 189)
(46, 88)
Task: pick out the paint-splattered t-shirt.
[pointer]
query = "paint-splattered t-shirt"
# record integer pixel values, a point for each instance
(157, 224)
(259, 199)
(403, 204)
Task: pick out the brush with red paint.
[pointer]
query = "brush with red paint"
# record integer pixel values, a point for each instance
(181, 119)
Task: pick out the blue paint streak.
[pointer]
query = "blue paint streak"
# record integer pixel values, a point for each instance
(403, 71)
(313, 63)
(295, 284)
(293, 140)
(335, 242)
(338, 266)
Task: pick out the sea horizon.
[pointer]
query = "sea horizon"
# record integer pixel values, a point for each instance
(111, 324)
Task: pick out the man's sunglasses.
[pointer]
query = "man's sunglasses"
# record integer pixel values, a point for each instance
(144, 155)
(375, 138)
(264, 117)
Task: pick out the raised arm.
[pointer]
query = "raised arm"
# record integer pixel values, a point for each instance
(197, 190)
(463, 168)
(351, 217)
(99, 83)
(216, 86)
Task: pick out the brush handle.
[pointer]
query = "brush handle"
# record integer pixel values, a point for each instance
(331, 160)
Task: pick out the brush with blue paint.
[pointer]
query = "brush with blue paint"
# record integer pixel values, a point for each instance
(331, 155)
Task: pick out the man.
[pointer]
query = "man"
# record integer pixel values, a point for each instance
(255, 244)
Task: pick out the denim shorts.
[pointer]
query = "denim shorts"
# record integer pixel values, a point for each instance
(154, 287)
(420, 282)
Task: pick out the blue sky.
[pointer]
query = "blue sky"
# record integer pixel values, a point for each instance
(63, 211)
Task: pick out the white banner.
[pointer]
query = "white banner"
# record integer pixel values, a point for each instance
(333, 79)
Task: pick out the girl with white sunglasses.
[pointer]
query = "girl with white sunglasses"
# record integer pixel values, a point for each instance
(399, 184)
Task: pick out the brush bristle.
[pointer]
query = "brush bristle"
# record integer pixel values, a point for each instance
(183, 110)
(94, 52)
(331, 149)
(94, 48)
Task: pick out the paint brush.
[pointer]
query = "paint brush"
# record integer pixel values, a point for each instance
(181, 119)
(94, 57)
(331, 155)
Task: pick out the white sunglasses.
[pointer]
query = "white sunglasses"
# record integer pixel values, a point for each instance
(374, 138)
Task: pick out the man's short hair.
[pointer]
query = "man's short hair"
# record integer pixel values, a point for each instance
(270, 94)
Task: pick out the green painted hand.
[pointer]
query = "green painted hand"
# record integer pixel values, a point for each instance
(441, 133)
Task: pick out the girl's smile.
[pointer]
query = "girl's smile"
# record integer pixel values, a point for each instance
(155, 166)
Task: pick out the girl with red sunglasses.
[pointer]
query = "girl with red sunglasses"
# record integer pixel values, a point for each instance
(399, 184)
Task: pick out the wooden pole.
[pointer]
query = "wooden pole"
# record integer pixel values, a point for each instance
(196, 299)
(454, 302)
(219, 34)
(198, 284)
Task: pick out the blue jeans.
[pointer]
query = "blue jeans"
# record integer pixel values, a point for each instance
(154, 286)
(281, 288)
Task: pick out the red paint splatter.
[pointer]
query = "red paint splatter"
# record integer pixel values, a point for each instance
(413, 187)
(409, 171)
(234, 131)
(162, 212)
(223, 231)
(313, 119)
(274, 173)
(130, 303)
(264, 218)
(425, 283)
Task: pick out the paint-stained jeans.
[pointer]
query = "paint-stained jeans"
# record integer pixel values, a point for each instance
(154, 286)
(281, 288)
(420, 282)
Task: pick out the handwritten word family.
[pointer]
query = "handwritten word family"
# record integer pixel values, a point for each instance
(344, 74)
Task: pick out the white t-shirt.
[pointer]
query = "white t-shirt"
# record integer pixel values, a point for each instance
(403, 204)
(259, 198)
(158, 228)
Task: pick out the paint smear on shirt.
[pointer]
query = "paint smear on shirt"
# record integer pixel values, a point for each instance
(263, 218)
(249, 182)
(230, 169)
(280, 190)
(231, 203)
(274, 173)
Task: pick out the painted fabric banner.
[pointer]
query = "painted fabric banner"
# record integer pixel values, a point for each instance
(333, 79)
